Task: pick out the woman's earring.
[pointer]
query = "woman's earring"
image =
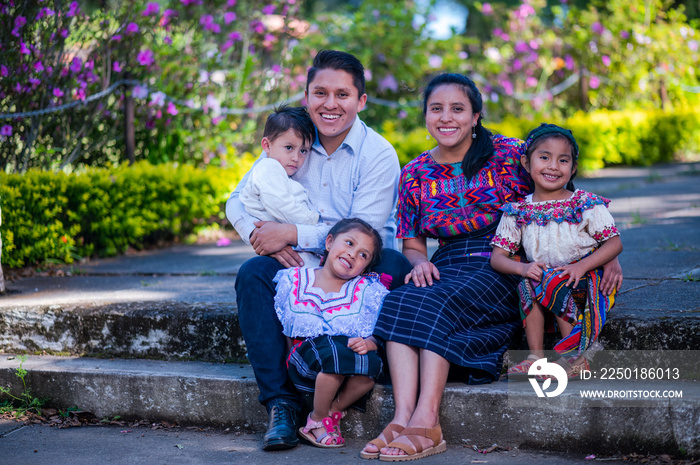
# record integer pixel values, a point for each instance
(474, 132)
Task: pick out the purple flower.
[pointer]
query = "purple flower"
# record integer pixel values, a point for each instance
(388, 83)
(34, 82)
(58, 93)
(569, 62)
(152, 8)
(207, 21)
(6, 130)
(3, 70)
(168, 40)
(597, 28)
(191, 2)
(172, 110)
(531, 81)
(76, 65)
(225, 46)
(517, 64)
(521, 47)
(435, 61)
(145, 57)
(235, 35)
(23, 49)
(594, 82)
(606, 60)
(140, 92)
(45, 12)
(73, 10)
(116, 67)
(132, 28)
(268, 9)
(276, 68)
(487, 9)
(257, 26)
(368, 76)
(117, 37)
(402, 114)
(624, 35)
(19, 22)
(229, 17)
(693, 45)
(231, 3)
(38, 67)
(507, 86)
(64, 33)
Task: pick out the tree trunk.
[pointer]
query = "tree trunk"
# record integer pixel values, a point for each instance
(129, 137)
(2, 278)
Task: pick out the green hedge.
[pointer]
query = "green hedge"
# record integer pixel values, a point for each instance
(58, 216)
(605, 138)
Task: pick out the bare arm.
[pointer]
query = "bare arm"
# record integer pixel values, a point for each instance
(501, 261)
(423, 272)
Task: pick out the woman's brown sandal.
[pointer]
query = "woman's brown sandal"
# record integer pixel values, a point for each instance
(391, 432)
(417, 451)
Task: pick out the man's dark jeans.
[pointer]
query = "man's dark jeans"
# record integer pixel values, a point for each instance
(262, 331)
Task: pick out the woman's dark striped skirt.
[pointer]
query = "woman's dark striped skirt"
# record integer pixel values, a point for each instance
(468, 317)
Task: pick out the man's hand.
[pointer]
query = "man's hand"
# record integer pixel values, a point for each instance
(270, 237)
(287, 257)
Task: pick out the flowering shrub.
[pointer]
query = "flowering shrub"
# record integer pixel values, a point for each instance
(99, 211)
(222, 54)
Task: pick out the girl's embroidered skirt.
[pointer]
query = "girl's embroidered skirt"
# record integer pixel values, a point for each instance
(570, 305)
(328, 354)
(468, 317)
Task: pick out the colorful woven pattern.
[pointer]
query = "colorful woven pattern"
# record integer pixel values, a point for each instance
(435, 200)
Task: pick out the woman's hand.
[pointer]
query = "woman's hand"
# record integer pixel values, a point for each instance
(612, 276)
(423, 274)
(361, 345)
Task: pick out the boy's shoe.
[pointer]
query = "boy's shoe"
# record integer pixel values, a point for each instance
(282, 431)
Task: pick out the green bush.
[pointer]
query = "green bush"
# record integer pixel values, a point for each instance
(98, 211)
(605, 138)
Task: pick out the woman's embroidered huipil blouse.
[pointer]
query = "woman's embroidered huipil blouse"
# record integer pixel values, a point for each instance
(307, 311)
(435, 200)
(556, 232)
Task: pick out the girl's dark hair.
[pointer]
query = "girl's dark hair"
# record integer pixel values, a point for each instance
(482, 147)
(350, 224)
(547, 131)
(284, 118)
(337, 60)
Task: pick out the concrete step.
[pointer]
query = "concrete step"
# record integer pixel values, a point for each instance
(509, 414)
(209, 331)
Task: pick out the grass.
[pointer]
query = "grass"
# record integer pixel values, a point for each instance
(24, 401)
(638, 219)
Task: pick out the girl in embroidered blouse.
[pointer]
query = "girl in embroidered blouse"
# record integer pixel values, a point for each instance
(329, 315)
(567, 236)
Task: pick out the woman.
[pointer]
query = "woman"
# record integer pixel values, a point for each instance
(458, 309)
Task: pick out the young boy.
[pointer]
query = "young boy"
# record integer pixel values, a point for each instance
(270, 193)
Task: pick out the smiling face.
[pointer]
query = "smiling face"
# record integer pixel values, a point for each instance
(551, 165)
(289, 149)
(333, 103)
(450, 118)
(349, 254)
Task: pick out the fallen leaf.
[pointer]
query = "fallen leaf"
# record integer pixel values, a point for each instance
(590, 457)
(179, 446)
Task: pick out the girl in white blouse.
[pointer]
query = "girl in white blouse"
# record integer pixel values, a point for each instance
(329, 315)
(567, 236)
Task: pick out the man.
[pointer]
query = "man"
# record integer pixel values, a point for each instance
(351, 172)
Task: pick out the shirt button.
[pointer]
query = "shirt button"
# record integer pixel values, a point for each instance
(328, 223)
(325, 184)
(328, 159)
(322, 210)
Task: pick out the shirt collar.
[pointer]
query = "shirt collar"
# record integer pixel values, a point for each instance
(353, 139)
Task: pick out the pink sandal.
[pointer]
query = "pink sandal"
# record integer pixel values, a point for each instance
(331, 438)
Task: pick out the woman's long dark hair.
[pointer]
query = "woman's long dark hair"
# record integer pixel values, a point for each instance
(482, 147)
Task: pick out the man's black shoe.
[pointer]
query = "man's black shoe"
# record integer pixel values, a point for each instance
(282, 430)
